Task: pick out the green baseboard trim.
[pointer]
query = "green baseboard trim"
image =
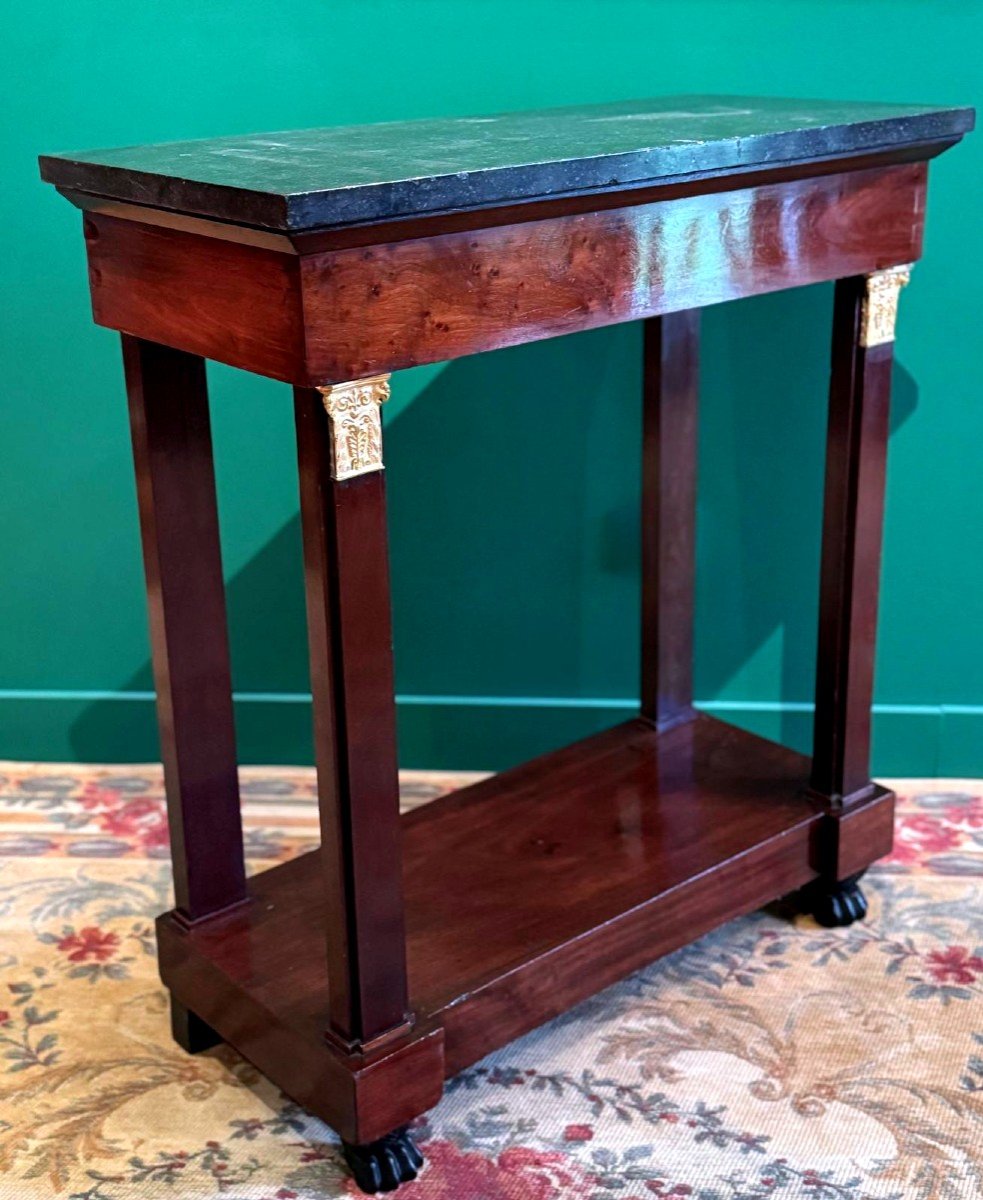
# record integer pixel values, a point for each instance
(460, 732)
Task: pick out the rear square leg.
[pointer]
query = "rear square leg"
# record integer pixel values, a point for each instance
(381, 1166)
(189, 1031)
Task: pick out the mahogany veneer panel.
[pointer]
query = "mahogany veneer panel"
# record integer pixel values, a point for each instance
(234, 304)
(380, 308)
(576, 838)
(347, 313)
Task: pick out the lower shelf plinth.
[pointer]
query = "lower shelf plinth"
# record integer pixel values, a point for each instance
(525, 893)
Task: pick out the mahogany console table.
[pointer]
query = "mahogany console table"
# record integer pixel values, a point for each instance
(358, 978)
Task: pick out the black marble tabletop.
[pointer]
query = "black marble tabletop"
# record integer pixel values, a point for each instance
(306, 179)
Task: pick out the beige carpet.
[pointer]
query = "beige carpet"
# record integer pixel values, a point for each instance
(773, 1059)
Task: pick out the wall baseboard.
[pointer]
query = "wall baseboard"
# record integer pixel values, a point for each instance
(460, 732)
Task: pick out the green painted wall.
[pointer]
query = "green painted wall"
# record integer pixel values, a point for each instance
(513, 476)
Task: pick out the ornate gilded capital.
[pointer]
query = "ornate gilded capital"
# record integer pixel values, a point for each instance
(880, 306)
(356, 425)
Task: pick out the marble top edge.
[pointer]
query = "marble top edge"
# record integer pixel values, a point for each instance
(297, 179)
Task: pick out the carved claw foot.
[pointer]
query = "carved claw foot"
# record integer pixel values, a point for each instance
(836, 904)
(383, 1165)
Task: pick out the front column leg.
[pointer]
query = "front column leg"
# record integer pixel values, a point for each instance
(860, 389)
(343, 508)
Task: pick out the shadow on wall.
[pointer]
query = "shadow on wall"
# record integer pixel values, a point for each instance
(513, 484)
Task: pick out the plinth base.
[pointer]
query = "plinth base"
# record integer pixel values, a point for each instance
(525, 893)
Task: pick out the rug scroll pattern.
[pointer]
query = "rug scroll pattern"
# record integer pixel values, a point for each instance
(771, 1059)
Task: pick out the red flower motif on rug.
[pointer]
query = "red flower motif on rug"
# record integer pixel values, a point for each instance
(141, 818)
(920, 835)
(969, 815)
(89, 942)
(578, 1133)
(955, 964)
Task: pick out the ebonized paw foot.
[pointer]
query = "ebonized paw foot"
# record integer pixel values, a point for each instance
(383, 1165)
(837, 904)
(190, 1031)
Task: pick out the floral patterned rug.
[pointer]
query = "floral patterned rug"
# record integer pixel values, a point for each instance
(772, 1059)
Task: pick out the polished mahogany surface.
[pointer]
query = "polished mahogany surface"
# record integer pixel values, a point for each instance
(611, 833)
(385, 307)
(172, 453)
(342, 314)
(346, 571)
(302, 179)
(577, 837)
(856, 464)
(670, 420)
